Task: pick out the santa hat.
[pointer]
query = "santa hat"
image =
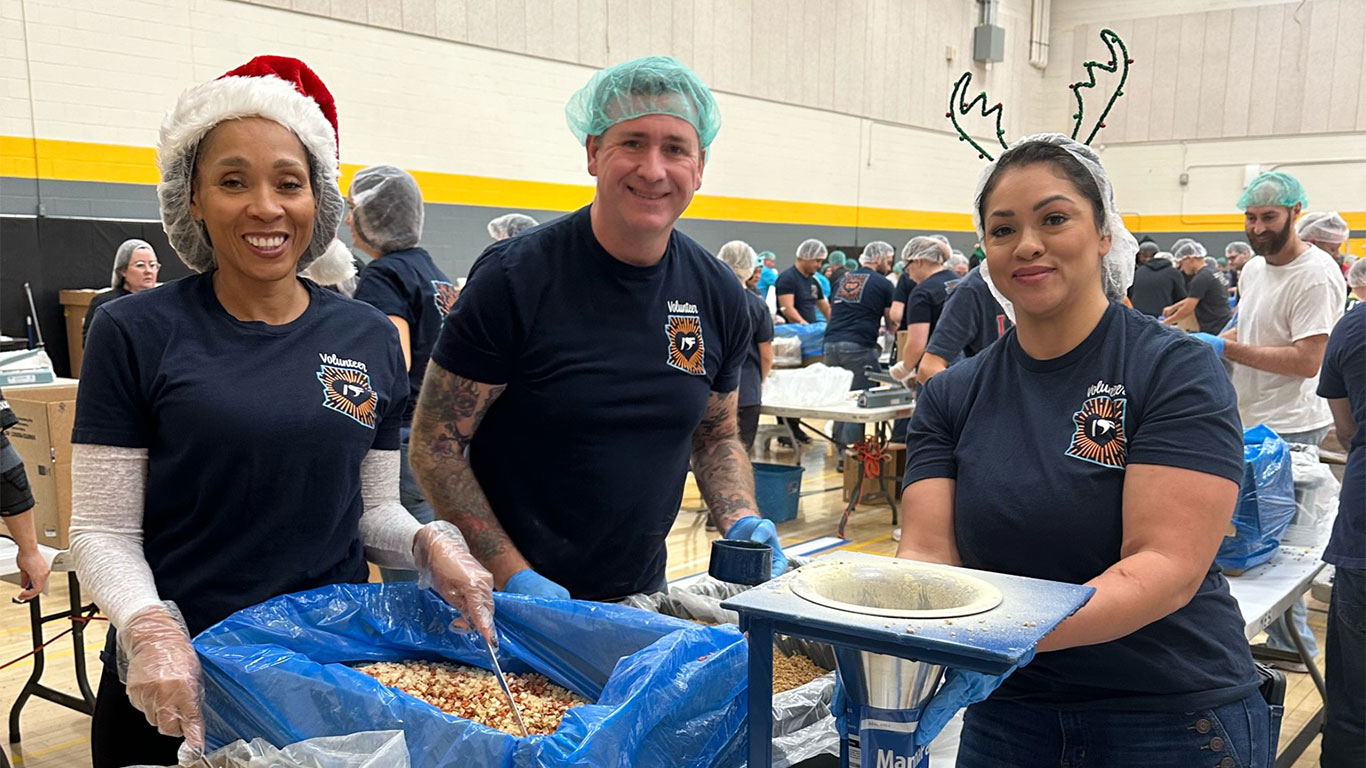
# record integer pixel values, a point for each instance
(277, 88)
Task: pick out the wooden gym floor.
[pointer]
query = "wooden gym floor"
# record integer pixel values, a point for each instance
(55, 737)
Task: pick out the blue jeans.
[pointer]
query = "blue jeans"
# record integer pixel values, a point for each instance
(1015, 735)
(1344, 730)
(410, 496)
(851, 357)
(1276, 636)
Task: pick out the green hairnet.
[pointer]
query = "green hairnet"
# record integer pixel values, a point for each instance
(654, 85)
(897, 267)
(766, 255)
(837, 259)
(1273, 188)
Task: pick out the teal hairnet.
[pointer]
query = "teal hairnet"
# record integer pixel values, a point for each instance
(654, 85)
(1273, 188)
(897, 267)
(837, 259)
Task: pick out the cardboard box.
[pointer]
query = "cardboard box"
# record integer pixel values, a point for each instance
(893, 464)
(43, 439)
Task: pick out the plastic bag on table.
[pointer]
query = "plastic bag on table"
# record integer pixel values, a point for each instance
(810, 387)
(1266, 501)
(370, 749)
(812, 336)
(787, 351)
(1316, 499)
(665, 692)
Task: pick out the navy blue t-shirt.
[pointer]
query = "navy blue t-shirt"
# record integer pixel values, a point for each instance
(905, 286)
(408, 284)
(1344, 376)
(859, 303)
(254, 433)
(1038, 449)
(805, 292)
(927, 300)
(970, 321)
(608, 370)
(761, 328)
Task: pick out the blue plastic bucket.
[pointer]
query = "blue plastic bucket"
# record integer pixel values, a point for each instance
(777, 489)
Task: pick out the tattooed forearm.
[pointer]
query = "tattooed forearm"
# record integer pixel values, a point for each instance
(721, 464)
(449, 411)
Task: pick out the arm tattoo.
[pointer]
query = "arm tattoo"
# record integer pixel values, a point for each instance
(721, 464)
(449, 411)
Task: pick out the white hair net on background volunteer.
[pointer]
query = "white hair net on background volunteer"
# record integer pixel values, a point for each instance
(1356, 276)
(123, 256)
(386, 208)
(874, 251)
(739, 257)
(1164, 255)
(811, 249)
(1117, 270)
(1188, 248)
(926, 248)
(1326, 226)
(510, 224)
(1237, 246)
(957, 259)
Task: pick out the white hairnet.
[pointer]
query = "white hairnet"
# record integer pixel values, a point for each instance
(811, 249)
(1164, 255)
(1117, 270)
(957, 259)
(386, 211)
(1186, 248)
(509, 224)
(125, 255)
(926, 248)
(1237, 246)
(876, 251)
(739, 257)
(1356, 275)
(1212, 263)
(1326, 226)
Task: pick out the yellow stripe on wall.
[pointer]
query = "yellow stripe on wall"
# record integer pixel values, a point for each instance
(115, 163)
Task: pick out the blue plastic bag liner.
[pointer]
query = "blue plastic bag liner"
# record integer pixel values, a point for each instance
(812, 336)
(1266, 501)
(667, 692)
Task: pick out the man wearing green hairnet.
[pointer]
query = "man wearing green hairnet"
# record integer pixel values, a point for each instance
(590, 360)
(1292, 294)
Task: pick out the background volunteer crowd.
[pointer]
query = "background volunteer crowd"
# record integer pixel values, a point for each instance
(634, 353)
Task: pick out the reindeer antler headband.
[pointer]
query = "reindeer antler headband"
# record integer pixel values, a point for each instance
(1119, 62)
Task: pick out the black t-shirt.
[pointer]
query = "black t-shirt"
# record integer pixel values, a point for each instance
(1038, 449)
(805, 292)
(905, 286)
(972, 319)
(1212, 310)
(608, 370)
(1344, 376)
(857, 306)
(254, 434)
(408, 284)
(95, 303)
(1157, 285)
(927, 300)
(761, 328)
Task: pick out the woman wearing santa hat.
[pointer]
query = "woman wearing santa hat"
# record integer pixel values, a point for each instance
(236, 431)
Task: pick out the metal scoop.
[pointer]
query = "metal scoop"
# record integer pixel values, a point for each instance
(503, 683)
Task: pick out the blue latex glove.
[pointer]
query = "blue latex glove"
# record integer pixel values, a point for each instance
(529, 582)
(1214, 341)
(960, 689)
(761, 530)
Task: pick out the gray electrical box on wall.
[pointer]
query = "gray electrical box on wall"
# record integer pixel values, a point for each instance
(989, 43)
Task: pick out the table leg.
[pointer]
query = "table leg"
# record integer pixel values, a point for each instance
(1310, 729)
(760, 695)
(35, 614)
(78, 639)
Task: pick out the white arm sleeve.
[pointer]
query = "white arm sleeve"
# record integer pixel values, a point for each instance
(108, 491)
(386, 528)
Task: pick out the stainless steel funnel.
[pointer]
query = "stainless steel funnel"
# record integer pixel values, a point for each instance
(886, 682)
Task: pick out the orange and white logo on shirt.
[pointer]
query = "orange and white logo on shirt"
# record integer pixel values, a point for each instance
(347, 390)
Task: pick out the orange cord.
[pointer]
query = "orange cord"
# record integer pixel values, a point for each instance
(63, 633)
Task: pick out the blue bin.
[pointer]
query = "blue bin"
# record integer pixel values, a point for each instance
(777, 489)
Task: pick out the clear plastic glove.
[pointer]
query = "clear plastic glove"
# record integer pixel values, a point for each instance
(902, 372)
(961, 688)
(1214, 341)
(163, 675)
(444, 564)
(33, 573)
(763, 531)
(529, 582)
